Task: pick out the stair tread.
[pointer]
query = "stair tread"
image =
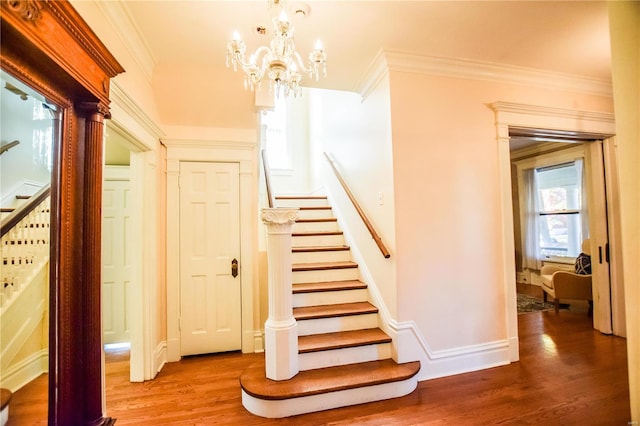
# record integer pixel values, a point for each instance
(325, 380)
(328, 286)
(335, 310)
(323, 266)
(305, 249)
(314, 233)
(5, 398)
(318, 219)
(6, 209)
(341, 339)
(301, 197)
(315, 208)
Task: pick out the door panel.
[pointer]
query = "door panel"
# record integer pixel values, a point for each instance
(116, 261)
(599, 236)
(210, 307)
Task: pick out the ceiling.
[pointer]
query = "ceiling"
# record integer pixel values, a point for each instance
(569, 37)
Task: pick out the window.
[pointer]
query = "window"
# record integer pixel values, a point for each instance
(554, 214)
(560, 201)
(276, 142)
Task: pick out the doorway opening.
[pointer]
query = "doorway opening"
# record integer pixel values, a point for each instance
(552, 182)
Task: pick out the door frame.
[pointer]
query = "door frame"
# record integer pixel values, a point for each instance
(508, 114)
(135, 131)
(239, 147)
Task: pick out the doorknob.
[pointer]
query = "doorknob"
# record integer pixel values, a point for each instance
(234, 268)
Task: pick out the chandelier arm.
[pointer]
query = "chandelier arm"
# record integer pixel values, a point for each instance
(239, 58)
(300, 63)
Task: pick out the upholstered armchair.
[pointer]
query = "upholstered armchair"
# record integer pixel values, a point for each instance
(562, 284)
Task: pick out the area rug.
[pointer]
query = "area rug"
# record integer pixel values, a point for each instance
(532, 304)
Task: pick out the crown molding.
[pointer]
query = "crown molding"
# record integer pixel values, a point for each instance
(118, 15)
(120, 99)
(376, 71)
(511, 107)
(478, 70)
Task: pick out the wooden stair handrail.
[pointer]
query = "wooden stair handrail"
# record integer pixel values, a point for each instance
(7, 146)
(363, 216)
(18, 214)
(267, 177)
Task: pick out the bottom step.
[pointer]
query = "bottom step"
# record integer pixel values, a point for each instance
(326, 388)
(5, 399)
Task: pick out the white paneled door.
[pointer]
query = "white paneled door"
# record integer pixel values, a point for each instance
(116, 257)
(210, 302)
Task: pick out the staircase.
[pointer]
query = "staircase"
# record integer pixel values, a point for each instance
(24, 288)
(344, 357)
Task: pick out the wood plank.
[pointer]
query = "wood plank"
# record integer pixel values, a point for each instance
(322, 266)
(315, 233)
(583, 380)
(337, 310)
(301, 197)
(309, 249)
(324, 380)
(328, 286)
(319, 219)
(315, 208)
(5, 398)
(341, 340)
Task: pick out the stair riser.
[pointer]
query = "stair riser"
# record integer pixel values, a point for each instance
(305, 202)
(329, 297)
(321, 256)
(317, 240)
(315, 226)
(315, 214)
(326, 401)
(344, 356)
(335, 324)
(325, 275)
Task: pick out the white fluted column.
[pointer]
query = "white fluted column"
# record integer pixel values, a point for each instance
(281, 334)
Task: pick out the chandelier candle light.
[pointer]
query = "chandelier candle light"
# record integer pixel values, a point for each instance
(279, 61)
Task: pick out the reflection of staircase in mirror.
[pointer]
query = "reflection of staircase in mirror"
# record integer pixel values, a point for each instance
(343, 356)
(24, 289)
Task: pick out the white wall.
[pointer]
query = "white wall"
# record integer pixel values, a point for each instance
(297, 179)
(448, 216)
(356, 133)
(625, 52)
(22, 162)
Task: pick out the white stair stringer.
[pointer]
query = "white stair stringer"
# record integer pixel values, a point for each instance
(326, 401)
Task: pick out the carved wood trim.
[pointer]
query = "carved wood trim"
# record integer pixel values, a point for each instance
(29, 10)
(59, 31)
(52, 50)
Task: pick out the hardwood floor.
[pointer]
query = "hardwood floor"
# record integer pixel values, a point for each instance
(568, 374)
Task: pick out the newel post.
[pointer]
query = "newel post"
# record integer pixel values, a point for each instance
(281, 334)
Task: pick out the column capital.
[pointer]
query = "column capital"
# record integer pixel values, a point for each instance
(279, 216)
(96, 111)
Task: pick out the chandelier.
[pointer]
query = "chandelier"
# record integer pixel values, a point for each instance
(279, 62)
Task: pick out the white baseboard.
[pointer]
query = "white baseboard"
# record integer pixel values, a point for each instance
(159, 357)
(412, 345)
(258, 341)
(25, 371)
